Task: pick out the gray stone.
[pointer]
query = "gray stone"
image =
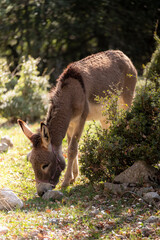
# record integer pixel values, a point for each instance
(153, 219)
(3, 147)
(53, 221)
(96, 197)
(7, 140)
(151, 196)
(139, 172)
(115, 188)
(54, 195)
(144, 190)
(43, 187)
(9, 200)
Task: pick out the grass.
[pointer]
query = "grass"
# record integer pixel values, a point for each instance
(85, 211)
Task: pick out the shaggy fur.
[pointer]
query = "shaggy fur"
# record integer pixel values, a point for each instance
(71, 72)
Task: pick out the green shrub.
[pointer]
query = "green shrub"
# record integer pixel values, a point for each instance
(152, 69)
(132, 136)
(24, 95)
(5, 75)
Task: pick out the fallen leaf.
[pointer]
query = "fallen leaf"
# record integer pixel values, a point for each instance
(138, 231)
(48, 210)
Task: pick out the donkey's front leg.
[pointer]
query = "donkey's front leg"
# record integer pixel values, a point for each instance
(72, 155)
(72, 168)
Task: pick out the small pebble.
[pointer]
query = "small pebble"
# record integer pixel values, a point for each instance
(53, 221)
(96, 197)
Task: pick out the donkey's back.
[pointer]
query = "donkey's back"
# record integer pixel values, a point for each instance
(106, 71)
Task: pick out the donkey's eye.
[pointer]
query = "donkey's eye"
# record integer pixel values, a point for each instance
(45, 166)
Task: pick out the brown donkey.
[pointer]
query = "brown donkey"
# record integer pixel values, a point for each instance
(72, 103)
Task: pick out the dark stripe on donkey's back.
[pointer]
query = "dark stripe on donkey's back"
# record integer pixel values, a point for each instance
(71, 72)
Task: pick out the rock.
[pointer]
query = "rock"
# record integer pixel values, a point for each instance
(3, 147)
(3, 230)
(115, 188)
(96, 197)
(43, 187)
(139, 172)
(143, 190)
(7, 140)
(153, 219)
(54, 195)
(151, 196)
(9, 200)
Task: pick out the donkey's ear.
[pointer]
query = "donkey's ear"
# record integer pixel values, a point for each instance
(45, 135)
(25, 129)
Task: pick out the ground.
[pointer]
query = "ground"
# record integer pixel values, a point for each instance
(85, 211)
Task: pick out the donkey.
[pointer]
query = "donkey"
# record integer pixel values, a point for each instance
(72, 103)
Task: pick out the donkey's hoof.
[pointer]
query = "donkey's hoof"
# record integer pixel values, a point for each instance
(65, 184)
(72, 181)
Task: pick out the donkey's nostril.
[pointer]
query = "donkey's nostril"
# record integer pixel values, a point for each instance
(45, 166)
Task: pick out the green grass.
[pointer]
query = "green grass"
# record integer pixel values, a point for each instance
(85, 212)
(71, 218)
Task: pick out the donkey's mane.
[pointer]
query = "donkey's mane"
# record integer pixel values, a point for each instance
(71, 72)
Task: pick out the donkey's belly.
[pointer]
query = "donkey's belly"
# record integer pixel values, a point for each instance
(95, 112)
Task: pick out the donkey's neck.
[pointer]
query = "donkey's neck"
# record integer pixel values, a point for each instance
(58, 117)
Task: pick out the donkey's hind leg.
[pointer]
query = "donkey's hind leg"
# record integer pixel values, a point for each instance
(75, 169)
(104, 123)
(127, 95)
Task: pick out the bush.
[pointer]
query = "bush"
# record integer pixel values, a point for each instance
(133, 136)
(4, 76)
(152, 69)
(24, 95)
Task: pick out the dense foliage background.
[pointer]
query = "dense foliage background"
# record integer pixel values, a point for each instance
(61, 31)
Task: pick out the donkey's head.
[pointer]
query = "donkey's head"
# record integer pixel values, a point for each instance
(46, 163)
